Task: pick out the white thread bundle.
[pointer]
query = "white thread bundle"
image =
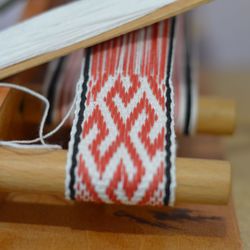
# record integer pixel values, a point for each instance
(68, 25)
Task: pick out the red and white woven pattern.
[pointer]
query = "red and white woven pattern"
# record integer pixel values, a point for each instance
(122, 146)
(60, 86)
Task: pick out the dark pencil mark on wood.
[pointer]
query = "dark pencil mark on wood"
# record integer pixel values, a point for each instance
(141, 220)
(181, 214)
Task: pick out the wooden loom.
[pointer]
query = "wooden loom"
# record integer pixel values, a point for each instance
(95, 226)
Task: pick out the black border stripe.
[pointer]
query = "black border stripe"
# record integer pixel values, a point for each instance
(168, 112)
(79, 124)
(188, 81)
(51, 94)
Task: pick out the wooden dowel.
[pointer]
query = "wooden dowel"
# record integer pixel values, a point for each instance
(216, 116)
(170, 10)
(198, 181)
(203, 181)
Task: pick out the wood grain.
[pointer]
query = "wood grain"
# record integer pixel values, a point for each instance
(168, 11)
(46, 222)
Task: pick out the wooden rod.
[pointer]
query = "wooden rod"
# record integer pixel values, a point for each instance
(168, 11)
(216, 116)
(198, 181)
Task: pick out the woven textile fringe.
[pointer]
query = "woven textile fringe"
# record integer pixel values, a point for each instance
(122, 147)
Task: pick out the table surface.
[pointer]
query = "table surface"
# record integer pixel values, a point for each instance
(21, 220)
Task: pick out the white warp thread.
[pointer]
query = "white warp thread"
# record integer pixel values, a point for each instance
(69, 24)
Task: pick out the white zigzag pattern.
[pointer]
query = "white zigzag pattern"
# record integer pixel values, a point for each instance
(151, 165)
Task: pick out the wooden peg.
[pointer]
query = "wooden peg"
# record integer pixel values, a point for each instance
(43, 171)
(216, 116)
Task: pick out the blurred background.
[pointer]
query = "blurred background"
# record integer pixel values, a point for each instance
(224, 31)
(222, 34)
(222, 38)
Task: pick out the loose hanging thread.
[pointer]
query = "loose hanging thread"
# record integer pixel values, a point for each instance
(122, 147)
(30, 143)
(18, 5)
